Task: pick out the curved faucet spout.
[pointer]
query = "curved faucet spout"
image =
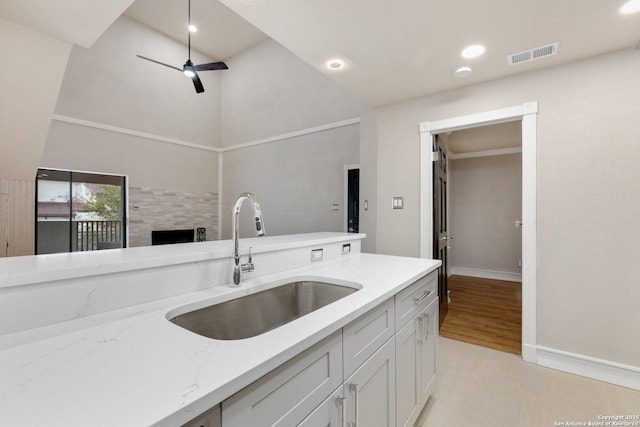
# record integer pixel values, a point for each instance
(259, 226)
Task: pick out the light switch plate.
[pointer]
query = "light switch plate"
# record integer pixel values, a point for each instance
(346, 248)
(397, 202)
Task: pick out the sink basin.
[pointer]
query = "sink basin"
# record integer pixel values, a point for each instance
(257, 313)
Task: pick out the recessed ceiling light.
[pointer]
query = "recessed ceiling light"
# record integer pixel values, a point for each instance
(632, 6)
(192, 28)
(335, 64)
(462, 72)
(473, 51)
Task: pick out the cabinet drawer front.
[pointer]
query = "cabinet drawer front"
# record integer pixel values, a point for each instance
(363, 336)
(415, 297)
(285, 396)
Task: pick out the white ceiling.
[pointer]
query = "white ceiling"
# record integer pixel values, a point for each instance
(74, 21)
(405, 49)
(221, 32)
(395, 49)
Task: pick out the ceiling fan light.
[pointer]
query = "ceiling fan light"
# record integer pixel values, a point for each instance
(192, 28)
(189, 73)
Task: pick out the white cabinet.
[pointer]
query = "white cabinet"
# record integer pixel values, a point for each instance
(416, 314)
(330, 413)
(211, 418)
(408, 386)
(285, 396)
(416, 361)
(428, 349)
(370, 392)
(376, 371)
(365, 335)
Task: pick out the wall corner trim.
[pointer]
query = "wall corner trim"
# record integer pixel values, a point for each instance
(102, 126)
(591, 367)
(293, 134)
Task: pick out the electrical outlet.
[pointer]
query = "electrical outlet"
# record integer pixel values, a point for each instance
(316, 255)
(519, 263)
(346, 248)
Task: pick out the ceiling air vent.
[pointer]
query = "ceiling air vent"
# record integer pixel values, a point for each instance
(531, 54)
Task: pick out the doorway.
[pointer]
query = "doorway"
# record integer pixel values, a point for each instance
(527, 114)
(352, 198)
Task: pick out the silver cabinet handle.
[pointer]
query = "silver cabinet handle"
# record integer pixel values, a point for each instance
(425, 331)
(422, 298)
(354, 388)
(421, 332)
(343, 411)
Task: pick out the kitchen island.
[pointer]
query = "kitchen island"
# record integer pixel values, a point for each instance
(90, 343)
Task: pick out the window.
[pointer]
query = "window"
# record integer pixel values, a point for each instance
(79, 211)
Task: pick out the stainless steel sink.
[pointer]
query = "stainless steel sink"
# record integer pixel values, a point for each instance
(257, 313)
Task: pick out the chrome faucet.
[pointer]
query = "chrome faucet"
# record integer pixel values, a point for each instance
(238, 268)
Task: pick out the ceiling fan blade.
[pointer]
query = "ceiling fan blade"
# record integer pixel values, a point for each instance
(158, 62)
(211, 66)
(197, 83)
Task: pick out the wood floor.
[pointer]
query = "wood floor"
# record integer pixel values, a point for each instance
(485, 312)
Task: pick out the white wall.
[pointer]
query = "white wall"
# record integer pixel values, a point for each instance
(270, 92)
(296, 181)
(33, 65)
(588, 198)
(486, 200)
(108, 85)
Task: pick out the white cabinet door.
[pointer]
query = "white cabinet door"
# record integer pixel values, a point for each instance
(370, 391)
(211, 418)
(428, 349)
(330, 413)
(285, 396)
(408, 386)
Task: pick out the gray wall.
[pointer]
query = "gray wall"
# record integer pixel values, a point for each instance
(486, 200)
(295, 180)
(271, 92)
(588, 197)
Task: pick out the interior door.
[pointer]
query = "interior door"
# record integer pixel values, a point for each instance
(440, 234)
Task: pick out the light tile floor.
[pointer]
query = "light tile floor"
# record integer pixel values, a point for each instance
(477, 386)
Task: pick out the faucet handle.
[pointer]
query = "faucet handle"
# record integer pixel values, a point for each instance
(248, 267)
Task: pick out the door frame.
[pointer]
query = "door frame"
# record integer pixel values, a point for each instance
(527, 113)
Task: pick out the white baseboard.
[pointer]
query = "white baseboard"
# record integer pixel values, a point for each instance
(590, 367)
(486, 274)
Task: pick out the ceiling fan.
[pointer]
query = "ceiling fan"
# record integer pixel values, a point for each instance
(190, 70)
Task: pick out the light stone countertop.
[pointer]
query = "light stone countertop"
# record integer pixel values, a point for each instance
(132, 367)
(16, 271)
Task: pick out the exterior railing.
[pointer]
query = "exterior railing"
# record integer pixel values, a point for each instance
(93, 235)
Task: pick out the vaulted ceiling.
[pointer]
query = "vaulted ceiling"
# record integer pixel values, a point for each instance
(399, 50)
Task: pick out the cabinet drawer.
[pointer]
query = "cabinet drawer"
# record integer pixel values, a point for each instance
(285, 396)
(363, 336)
(415, 297)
